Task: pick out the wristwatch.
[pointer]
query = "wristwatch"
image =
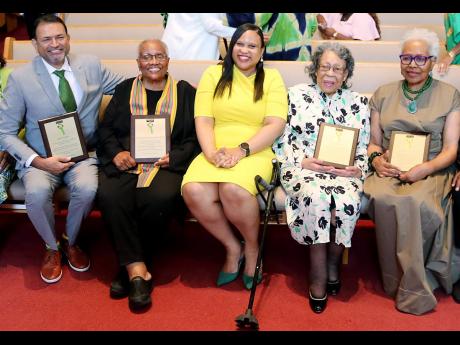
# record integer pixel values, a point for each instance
(371, 158)
(245, 148)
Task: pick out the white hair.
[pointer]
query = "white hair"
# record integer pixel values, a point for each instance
(428, 36)
(154, 40)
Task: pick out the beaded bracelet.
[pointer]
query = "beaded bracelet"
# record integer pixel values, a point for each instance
(371, 159)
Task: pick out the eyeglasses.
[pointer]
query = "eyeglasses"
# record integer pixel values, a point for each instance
(420, 60)
(336, 69)
(150, 57)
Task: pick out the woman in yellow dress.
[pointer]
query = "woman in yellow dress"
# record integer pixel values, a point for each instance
(240, 109)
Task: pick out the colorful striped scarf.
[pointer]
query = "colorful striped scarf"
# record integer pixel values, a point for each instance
(138, 105)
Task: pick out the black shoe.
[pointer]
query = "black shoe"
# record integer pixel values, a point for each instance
(333, 288)
(139, 293)
(119, 288)
(456, 292)
(317, 304)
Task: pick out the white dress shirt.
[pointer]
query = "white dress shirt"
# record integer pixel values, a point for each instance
(195, 36)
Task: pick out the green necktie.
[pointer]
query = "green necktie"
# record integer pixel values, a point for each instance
(65, 92)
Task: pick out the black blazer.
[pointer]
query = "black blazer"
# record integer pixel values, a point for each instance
(114, 130)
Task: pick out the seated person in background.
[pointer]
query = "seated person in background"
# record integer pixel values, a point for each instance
(4, 74)
(195, 36)
(53, 83)
(240, 109)
(349, 26)
(412, 210)
(287, 35)
(452, 28)
(456, 212)
(6, 162)
(323, 202)
(137, 200)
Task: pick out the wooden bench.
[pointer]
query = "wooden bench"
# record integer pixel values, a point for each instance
(411, 18)
(156, 18)
(367, 77)
(363, 51)
(394, 32)
(141, 31)
(113, 18)
(137, 32)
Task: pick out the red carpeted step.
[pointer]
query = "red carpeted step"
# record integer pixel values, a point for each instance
(185, 296)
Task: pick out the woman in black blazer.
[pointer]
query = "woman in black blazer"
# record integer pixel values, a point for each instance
(133, 205)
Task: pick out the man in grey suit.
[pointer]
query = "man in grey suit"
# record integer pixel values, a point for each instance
(32, 94)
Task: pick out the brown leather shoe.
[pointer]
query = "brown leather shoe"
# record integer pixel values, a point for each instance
(51, 270)
(77, 259)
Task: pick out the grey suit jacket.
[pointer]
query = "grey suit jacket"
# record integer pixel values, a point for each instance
(31, 96)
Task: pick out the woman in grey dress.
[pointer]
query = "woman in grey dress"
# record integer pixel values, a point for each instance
(412, 210)
(323, 202)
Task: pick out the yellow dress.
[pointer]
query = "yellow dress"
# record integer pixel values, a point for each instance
(236, 120)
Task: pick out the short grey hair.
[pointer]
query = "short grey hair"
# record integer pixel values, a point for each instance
(341, 51)
(163, 44)
(426, 35)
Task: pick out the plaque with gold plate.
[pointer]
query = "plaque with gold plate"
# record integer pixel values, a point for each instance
(336, 145)
(408, 149)
(150, 137)
(62, 136)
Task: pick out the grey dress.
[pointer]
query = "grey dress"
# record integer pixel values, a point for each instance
(413, 221)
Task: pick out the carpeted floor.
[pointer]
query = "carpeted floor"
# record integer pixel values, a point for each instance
(186, 263)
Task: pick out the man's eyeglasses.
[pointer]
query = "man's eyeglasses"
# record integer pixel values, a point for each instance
(420, 60)
(150, 57)
(336, 69)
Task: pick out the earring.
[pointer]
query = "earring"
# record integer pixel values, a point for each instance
(262, 60)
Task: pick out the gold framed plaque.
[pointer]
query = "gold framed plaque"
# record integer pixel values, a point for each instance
(408, 149)
(62, 136)
(336, 145)
(150, 137)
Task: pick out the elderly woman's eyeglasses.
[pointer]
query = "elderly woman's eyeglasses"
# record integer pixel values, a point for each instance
(336, 69)
(420, 60)
(150, 57)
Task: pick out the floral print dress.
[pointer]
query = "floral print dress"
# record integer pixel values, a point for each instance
(310, 194)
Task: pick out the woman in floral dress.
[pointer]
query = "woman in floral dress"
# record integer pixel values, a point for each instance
(323, 202)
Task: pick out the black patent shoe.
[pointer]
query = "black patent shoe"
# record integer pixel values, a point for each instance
(139, 293)
(333, 288)
(456, 292)
(317, 304)
(119, 288)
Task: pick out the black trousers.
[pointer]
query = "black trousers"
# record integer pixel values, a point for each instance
(135, 215)
(456, 212)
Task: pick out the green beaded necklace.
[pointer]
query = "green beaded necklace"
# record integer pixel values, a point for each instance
(412, 106)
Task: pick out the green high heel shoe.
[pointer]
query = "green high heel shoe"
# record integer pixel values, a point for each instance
(247, 280)
(227, 277)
